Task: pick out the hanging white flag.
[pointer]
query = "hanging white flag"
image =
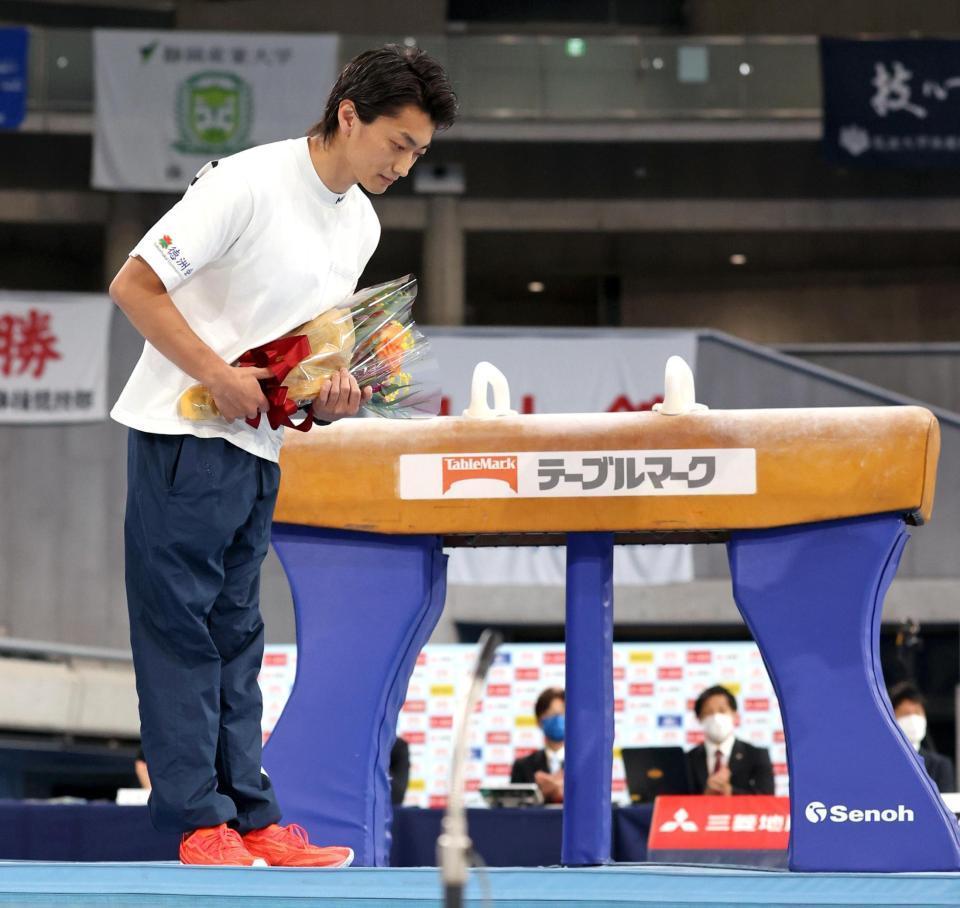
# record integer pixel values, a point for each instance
(167, 102)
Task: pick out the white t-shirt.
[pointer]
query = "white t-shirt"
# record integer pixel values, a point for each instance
(256, 246)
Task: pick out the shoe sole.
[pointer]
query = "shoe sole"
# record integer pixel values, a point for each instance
(346, 862)
(257, 862)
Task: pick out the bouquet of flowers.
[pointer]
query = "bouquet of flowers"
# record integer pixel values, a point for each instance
(370, 333)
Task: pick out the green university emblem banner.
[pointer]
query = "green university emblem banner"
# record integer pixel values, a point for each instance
(167, 102)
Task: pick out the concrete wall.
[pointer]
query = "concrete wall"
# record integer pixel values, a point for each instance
(803, 308)
(825, 17)
(369, 17)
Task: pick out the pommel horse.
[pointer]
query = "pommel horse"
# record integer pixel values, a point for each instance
(812, 505)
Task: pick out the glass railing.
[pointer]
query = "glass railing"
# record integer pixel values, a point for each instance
(542, 78)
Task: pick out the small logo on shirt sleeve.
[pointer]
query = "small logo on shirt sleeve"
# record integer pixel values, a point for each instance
(173, 255)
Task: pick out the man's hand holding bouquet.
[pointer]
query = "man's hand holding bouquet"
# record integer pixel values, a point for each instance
(366, 352)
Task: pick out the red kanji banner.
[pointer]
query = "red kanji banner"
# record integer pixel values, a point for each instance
(53, 358)
(707, 823)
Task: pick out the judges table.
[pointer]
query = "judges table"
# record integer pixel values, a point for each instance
(104, 832)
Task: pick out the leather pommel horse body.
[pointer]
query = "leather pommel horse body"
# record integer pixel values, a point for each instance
(812, 504)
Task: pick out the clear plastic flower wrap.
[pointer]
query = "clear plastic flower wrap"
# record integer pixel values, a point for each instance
(371, 333)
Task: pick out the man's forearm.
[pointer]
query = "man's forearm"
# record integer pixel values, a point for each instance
(143, 299)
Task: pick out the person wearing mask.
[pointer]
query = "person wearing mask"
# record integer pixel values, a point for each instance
(545, 767)
(723, 764)
(910, 712)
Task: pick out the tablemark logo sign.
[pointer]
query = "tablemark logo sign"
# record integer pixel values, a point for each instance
(458, 469)
(214, 114)
(565, 474)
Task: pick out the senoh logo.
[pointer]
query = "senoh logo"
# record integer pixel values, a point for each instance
(459, 469)
(818, 812)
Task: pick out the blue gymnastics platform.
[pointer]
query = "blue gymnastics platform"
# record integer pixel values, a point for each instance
(169, 884)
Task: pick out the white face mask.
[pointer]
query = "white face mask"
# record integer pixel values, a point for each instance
(718, 727)
(914, 727)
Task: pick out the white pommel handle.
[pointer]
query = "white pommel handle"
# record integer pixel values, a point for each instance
(485, 376)
(679, 393)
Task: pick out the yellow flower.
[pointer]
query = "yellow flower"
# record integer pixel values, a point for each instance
(396, 384)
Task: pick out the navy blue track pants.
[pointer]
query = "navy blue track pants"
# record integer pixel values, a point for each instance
(197, 529)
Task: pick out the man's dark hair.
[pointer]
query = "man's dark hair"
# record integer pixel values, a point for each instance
(712, 692)
(380, 82)
(546, 698)
(906, 690)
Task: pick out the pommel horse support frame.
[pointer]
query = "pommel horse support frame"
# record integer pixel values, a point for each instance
(812, 505)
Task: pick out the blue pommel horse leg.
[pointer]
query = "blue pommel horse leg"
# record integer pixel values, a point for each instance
(588, 751)
(365, 605)
(860, 799)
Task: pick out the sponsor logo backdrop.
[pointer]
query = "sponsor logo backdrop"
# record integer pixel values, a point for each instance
(654, 689)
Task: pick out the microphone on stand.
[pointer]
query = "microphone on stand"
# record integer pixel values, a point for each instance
(454, 845)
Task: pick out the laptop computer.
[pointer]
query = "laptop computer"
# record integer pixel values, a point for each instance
(653, 771)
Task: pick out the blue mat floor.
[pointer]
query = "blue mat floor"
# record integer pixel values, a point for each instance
(162, 884)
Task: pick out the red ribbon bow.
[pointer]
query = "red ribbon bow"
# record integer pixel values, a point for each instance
(279, 356)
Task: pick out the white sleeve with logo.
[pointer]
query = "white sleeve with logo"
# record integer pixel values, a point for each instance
(200, 228)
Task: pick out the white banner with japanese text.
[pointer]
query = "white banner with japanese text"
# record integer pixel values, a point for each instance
(167, 102)
(53, 357)
(570, 371)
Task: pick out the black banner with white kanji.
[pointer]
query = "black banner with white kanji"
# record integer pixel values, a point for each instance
(891, 103)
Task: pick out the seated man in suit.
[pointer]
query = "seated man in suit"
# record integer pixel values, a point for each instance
(911, 714)
(723, 764)
(545, 767)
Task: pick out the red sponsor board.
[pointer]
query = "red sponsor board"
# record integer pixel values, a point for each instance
(619, 785)
(473, 784)
(415, 706)
(670, 672)
(756, 704)
(641, 690)
(415, 737)
(619, 673)
(695, 737)
(497, 769)
(275, 659)
(555, 658)
(737, 823)
(779, 769)
(618, 706)
(441, 721)
(520, 752)
(699, 656)
(778, 737)
(498, 737)
(527, 674)
(438, 802)
(498, 690)
(422, 659)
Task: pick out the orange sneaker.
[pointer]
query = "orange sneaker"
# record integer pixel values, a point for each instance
(216, 845)
(288, 846)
